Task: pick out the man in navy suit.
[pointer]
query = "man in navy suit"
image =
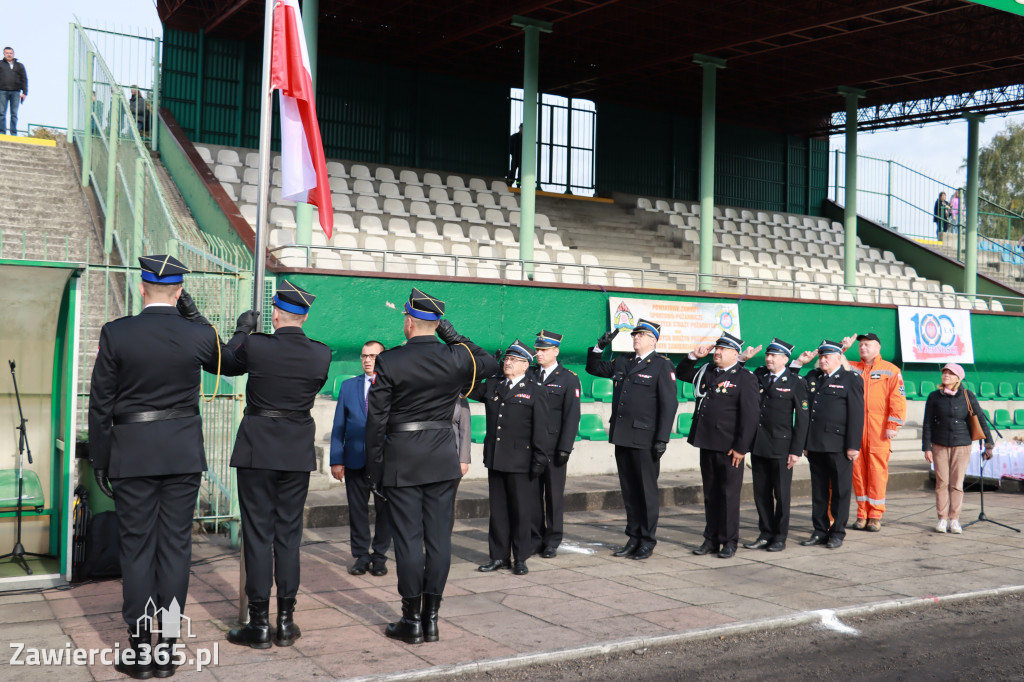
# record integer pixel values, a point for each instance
(348, 451)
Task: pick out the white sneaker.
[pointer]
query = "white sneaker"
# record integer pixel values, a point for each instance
(940, 527)
(954, 527)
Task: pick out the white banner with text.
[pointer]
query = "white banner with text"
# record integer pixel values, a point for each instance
(684, 324)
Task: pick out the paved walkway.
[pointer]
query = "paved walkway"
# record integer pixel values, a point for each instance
(584, 596)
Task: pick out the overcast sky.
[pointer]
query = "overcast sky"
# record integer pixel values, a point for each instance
(38, 31)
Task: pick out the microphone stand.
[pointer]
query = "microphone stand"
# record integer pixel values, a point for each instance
(19, 553)
(981, 486)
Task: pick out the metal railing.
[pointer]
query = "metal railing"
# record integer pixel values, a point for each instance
(448, 265)
(111, 137)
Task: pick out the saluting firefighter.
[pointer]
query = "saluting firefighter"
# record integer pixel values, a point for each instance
(273, 455)
(411, 452)
(644, 404)
(562, 390)
(724, 426)
(515, 454)
(836, 397)
(146, 435)
(781, 434)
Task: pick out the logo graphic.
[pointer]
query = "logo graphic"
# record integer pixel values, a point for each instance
(623, 318)
(726, 320)
(170, 621)
(935, 337)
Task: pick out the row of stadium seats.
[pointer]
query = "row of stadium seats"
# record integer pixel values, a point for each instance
(985, 390)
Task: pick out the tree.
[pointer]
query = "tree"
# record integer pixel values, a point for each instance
(1001, 180)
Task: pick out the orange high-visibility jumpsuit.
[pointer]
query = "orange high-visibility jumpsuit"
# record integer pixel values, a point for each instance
(885, 407)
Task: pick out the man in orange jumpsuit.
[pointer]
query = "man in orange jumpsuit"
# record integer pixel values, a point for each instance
(885, 409)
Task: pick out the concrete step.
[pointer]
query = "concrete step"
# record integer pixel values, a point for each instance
(325, 508)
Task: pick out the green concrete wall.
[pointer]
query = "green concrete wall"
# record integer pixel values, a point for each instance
(352, 310)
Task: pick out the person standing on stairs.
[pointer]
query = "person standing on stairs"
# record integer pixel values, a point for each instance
(13, 89)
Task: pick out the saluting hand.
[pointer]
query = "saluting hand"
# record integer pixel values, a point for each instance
(702, 350)
(848, 341)
(749, 353)
(247, 322)
(806, 357)
(737, 458)
(338, 472)
(607, 338)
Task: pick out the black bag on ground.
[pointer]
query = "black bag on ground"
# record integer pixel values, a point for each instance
(102, 548)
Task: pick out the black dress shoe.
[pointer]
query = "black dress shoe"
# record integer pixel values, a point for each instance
(777, 546)
(706, 548)
(378, 570)
(756, 544)
(815, 539)
(628, 549)
(358, 568)
(727, 552)
(834, 542)
(643, 552)
(494, 565)
(549, 553)
(519, 568)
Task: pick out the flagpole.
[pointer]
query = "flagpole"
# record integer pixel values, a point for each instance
(263, 202)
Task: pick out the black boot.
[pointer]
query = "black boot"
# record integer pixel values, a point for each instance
(164, 655)
(138, 664)
(431, 602)
(256, 633)
(287, 630)
(409, 629)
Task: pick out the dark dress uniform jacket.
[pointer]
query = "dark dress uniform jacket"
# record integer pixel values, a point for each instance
(420, 381)
(644, 399)
(837, 411)
(149, 362)
(726, 417)
(562, 393)
(286, 371)
(782, 430)
(517, 424)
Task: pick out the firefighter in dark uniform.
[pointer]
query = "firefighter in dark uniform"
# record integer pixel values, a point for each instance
(411, 453)
(273, 455)
(836, 396)
(562, 388)
(644, 403)
(515, 454)
(146, 435)
(724, 425)
(779, 442)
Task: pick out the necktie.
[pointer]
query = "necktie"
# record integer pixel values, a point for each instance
(366, 393)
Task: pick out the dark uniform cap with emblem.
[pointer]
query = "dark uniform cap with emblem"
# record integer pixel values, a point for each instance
(779, 347)
(870, 336)
(162, 269)
(424, 306)
(292, 299)
(727, 340)
(827, 347)
(647, 326)
(520, 350)
(546, 339)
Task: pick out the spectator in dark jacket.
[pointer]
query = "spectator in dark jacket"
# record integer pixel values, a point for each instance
(13, 89)
(946, 441)
(942, 215)
(139, 109)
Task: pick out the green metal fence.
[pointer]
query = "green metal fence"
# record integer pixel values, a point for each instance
(111, 136)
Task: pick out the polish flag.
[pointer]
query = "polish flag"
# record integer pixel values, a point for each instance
(303, 166)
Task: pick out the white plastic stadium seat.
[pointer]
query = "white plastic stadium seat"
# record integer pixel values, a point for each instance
(360, 171)
(204, 154)
(384, 174)
(229, 157)
(336, 169)
(226, 173)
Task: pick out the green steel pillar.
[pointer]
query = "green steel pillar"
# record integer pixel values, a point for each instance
(707, 167)
(971, 249)
(87, 130)
(110, 203)
(200, 83)
(310, 26)
(850, 204)
(528, 193)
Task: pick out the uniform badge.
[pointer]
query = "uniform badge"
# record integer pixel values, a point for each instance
(577, 393)
(803, 405)
(902, 390)
(673, 374)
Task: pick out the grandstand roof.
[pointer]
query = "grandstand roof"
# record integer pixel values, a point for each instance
(785, 59)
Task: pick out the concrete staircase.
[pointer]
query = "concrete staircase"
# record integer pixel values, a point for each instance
(620, 239)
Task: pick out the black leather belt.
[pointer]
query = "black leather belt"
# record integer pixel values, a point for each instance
(155, 415)
(275, 414)
(419, 426)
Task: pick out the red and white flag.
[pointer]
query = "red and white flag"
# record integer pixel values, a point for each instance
(303, 166)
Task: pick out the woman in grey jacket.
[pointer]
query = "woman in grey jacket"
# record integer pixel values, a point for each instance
(946, 441)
